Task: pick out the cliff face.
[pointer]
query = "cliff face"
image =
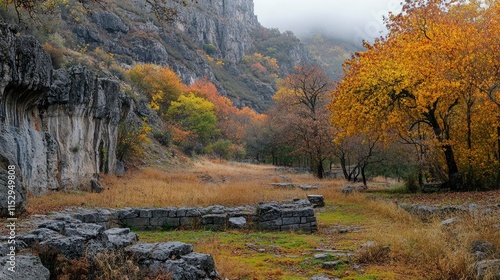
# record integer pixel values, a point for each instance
(226, 24)
(58, 127)
(129, 30)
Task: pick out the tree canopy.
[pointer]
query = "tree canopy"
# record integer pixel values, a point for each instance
(431, 82)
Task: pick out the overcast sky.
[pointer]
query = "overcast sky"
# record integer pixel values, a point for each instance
(352, 20)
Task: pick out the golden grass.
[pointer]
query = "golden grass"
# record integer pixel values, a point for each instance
(444, 253)
(205, 183)
(416, 249)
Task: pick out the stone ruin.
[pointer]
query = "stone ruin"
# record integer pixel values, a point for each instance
(292, 215)
(85, 233)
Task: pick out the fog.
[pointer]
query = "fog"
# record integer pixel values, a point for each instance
(351, 20)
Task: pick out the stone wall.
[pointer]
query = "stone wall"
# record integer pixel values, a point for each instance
(295, 215)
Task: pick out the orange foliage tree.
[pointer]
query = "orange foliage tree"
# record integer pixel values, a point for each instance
(431, 81)
(232, 121)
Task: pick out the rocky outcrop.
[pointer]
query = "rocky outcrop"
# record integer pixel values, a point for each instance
(132, 34)
(225, 24)
(58, 127)
(71, 239)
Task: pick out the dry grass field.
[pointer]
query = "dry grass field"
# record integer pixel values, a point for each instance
(403, 246)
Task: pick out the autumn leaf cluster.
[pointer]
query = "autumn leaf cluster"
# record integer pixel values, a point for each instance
(199, 117)
(432, 82)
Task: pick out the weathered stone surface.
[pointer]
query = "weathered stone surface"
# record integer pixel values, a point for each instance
(27, 267)
(40, 235)
(72, 247)
(117, 238)
(171, 250)
(86, 230)
(110, 22)
(237, 222)
(55, 123)
(316, 200)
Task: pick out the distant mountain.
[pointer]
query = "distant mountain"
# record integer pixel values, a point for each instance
(330, 52)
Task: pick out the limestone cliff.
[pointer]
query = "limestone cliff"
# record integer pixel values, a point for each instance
(133, 35)
(58, 127)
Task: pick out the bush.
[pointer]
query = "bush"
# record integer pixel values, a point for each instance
(210, 49)
(131, 136)
(411, 184)
(163, 137)
(220, 149)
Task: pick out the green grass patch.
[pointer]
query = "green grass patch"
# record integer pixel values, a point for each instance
(343, 214)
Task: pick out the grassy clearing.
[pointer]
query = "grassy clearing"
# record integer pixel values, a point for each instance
(404, 246)
(203, 184)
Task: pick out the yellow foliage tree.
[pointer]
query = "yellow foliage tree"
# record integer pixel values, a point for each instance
(160, 84)
(430, 81)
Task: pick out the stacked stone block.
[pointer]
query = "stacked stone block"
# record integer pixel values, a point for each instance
(295, 215)
(286, 217)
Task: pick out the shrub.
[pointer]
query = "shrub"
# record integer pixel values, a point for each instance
(411, 184)
(210, 49)
(163, 137)
(131, 136)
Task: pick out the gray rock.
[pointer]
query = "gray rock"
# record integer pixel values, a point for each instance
(353, 189)
(40, 235)
(321, 277)
(316, 200)
(449, 224)
(96, 186)
(171, 250)
(481, 246)
(86, 230)
(202, 262)
(268, 212)
(27, 267)
(181, 270)
(117, 238)
(320, 256)
(237, 222)
(141, 251)
(488, 268)
(71, 247)
(58, 226)
(110, 22)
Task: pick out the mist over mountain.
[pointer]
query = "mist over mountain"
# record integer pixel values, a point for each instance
(351, 21)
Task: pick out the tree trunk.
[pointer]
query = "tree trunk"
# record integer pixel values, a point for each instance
(344, 167)
(363, 176)
(498, 157)
(442, 136)
(320, 172)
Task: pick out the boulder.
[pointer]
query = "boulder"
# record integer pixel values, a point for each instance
(237, 222)
(28, 267)
(117, 238)
(316, 200)
(96, 186)
(71, 247)
(353, 189)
